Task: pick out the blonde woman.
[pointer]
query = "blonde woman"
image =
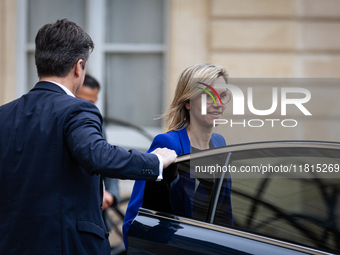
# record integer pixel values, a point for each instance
(186, 129)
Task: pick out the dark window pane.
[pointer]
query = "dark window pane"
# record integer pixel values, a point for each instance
(134, 88)
(135, 21)
(299, 210)
(41, 12)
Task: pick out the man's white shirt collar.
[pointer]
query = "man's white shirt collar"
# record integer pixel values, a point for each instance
(68, 92)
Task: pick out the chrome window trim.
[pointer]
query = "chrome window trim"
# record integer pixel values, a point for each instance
(260, 145)
(235, 232)
(213, 212)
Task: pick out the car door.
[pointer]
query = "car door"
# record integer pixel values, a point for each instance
(273, 212)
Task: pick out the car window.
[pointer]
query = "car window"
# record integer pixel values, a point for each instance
(302, 207)
(185, 195)
(191, 194)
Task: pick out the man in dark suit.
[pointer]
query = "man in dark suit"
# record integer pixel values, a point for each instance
(52, 154)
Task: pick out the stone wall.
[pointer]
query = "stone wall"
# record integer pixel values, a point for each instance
(282, 38)
(263, 39)
(7, 50)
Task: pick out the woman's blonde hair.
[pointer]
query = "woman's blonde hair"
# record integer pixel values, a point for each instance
(177, 116)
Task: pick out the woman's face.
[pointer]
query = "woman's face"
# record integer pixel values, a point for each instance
(214, 111)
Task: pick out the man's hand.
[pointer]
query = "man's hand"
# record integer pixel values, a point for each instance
(168, 156)
(108, 200)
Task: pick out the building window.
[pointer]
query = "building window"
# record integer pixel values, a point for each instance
(129, 57)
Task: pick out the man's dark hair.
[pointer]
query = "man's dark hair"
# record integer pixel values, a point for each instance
(59, 46)
(91, 82)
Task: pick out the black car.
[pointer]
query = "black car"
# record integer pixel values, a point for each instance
(285, 199)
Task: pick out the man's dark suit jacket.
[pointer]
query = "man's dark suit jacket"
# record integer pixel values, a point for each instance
(51, 154)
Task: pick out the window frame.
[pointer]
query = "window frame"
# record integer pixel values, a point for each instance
(95, 11)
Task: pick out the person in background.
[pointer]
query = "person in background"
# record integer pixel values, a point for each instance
(186, 131)
(89, 91)
(52, 153)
